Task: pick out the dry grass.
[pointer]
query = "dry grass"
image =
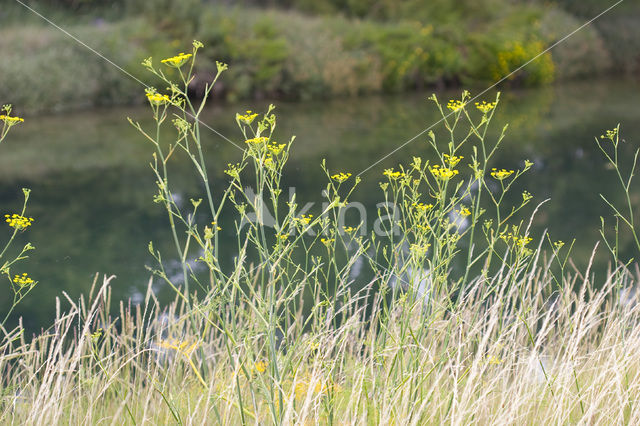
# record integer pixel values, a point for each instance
(516, 357)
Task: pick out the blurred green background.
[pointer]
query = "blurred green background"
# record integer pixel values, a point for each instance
(307, 49)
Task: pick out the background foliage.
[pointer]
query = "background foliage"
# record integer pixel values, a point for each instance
(301, 49)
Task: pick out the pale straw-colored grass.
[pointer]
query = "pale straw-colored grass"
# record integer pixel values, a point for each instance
(519, 356)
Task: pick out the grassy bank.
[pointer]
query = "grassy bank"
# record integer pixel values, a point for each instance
(517, 357)
(276, 53)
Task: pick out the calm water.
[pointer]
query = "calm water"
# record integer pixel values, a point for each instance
(92, 187)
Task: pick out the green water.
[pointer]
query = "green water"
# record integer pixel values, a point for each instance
(92, 187)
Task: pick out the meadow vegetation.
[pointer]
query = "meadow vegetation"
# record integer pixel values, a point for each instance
(463, 316)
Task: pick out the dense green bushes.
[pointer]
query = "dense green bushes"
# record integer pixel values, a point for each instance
(286, 54)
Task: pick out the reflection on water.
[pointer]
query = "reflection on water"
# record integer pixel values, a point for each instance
(92, 187)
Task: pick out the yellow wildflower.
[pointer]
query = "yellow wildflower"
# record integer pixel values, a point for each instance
(215, 226)
(341, 177)
(419, 249)
(10, 121)
(275, 148)
(493, 360)
(180, 346)
(233, 170)
(178, 60)
(18, 222)
(261, 366)
(421, 207)
(349, 229)
(306, 219)
(455, 105)
(157, 98)
(391, 174)
(464, 212)
(611, 134)
(442, 173)
(23, 280)
(246, 118)
(452, 160)
(485, 107)
(501, 174)
(302, 388)
(257, 141)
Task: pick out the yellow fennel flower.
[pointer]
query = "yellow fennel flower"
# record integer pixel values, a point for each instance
(257, 141)
(23, 280)
(246, 118)
(391, 174)
(485, 107)
(261, 366)
(18, 222)
(442, 173)
(452, 160)
(501, 174)
(178, 60)
(341, 177)
(10, 121)
(455, 105)
(464, 212)
(275, 148)
(157, 98)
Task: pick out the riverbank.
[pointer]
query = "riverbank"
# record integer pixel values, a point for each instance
(286, 54)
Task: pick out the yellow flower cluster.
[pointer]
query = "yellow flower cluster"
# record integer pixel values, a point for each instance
(178, 60)
(233, 170)
(11, 120)
(215, 226)
(17, 221)
(327, 241)
(501, 174)
(519, 241)
(421, 207)
(349, 229)
(305, 218)
(452, 160)
(302, 388)
(419, 249)
(391, 174)
(464, 212)
(157, 98)
(275, 148)
(180, 346)
(23, 280)
(260, 366)
(493, 360)
(611, 134)
(341, 177)
(246, 118)
(257, 141)
(455, 105)
(485, 107)
(442, 173)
